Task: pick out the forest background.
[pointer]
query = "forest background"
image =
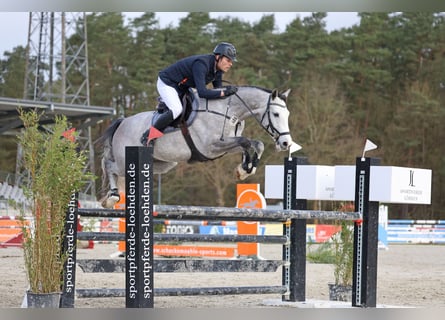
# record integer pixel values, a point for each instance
(382, 79)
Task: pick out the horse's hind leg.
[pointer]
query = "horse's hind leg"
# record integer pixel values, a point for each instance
(112, 196)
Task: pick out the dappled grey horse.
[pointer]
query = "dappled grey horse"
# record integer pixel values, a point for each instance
(214, 129)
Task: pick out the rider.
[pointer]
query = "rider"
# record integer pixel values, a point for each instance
(193, 72)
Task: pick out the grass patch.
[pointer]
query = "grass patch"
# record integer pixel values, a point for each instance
(320, 253)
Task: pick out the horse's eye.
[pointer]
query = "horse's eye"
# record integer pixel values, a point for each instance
(276, 114)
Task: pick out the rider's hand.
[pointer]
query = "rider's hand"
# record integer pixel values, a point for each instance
(230, 90)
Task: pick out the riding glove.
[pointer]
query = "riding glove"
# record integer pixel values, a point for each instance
(230, 90)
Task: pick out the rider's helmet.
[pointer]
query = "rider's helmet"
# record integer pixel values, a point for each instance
(226, 49)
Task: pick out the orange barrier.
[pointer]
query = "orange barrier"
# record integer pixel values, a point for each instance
(176, 250)
(193, 251)
(181, 250)
(249, 196)
(11, 233)
(121, 244)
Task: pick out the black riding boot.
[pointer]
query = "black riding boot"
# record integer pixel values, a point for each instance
(161, 122)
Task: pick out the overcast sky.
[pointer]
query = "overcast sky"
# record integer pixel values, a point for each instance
(14, 25)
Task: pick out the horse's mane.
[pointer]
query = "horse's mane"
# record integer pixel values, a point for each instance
(265, 90)
(256, 87)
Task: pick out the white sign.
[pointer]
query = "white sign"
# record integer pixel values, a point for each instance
(400, 185)
(387, 184)
(344, 185)
(313, 182)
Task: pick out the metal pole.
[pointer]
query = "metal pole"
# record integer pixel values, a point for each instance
(294, 276)
(364, 285)
(139, 227)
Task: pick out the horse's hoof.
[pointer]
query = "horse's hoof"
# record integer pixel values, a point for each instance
(110, 202)
(240, 173)
(112, 198)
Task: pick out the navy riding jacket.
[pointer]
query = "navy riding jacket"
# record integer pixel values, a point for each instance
(194, 72)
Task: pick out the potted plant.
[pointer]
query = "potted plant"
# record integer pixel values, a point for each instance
(55, 170)
(343, 259)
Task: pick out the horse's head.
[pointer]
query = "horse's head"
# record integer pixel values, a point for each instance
(276, 119)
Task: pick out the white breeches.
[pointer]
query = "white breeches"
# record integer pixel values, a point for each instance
(170, 96)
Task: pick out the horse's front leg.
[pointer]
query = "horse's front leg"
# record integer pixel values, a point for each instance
(250, 161)
(246, 146)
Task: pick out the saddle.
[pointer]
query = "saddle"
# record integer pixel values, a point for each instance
(190, 105)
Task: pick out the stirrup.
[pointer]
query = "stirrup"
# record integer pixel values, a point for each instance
(152, 134)
(144, 138)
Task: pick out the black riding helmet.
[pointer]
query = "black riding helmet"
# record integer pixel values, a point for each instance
(226, 49)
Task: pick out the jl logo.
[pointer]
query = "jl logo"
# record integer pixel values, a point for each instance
(411, 178)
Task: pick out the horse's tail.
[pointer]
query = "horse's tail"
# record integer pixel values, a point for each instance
(107, 154)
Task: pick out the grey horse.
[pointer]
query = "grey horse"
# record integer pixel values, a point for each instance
(214, 129)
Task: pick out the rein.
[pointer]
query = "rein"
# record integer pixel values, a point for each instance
(273, 132)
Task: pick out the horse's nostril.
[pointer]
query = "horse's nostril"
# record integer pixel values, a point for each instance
(285, 144)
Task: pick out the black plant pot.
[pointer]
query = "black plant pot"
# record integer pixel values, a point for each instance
(338, 292)
(43, 300)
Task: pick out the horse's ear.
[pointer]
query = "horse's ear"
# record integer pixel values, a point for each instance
(274, 93)
(281, 95)
(285, 94)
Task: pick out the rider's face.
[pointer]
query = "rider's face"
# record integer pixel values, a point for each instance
(224, 64)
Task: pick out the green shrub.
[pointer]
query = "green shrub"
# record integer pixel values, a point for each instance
(320, 253)
(343, 249)
(56, 169)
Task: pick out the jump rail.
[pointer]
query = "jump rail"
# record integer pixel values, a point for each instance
(228, 214)
(140, 264)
